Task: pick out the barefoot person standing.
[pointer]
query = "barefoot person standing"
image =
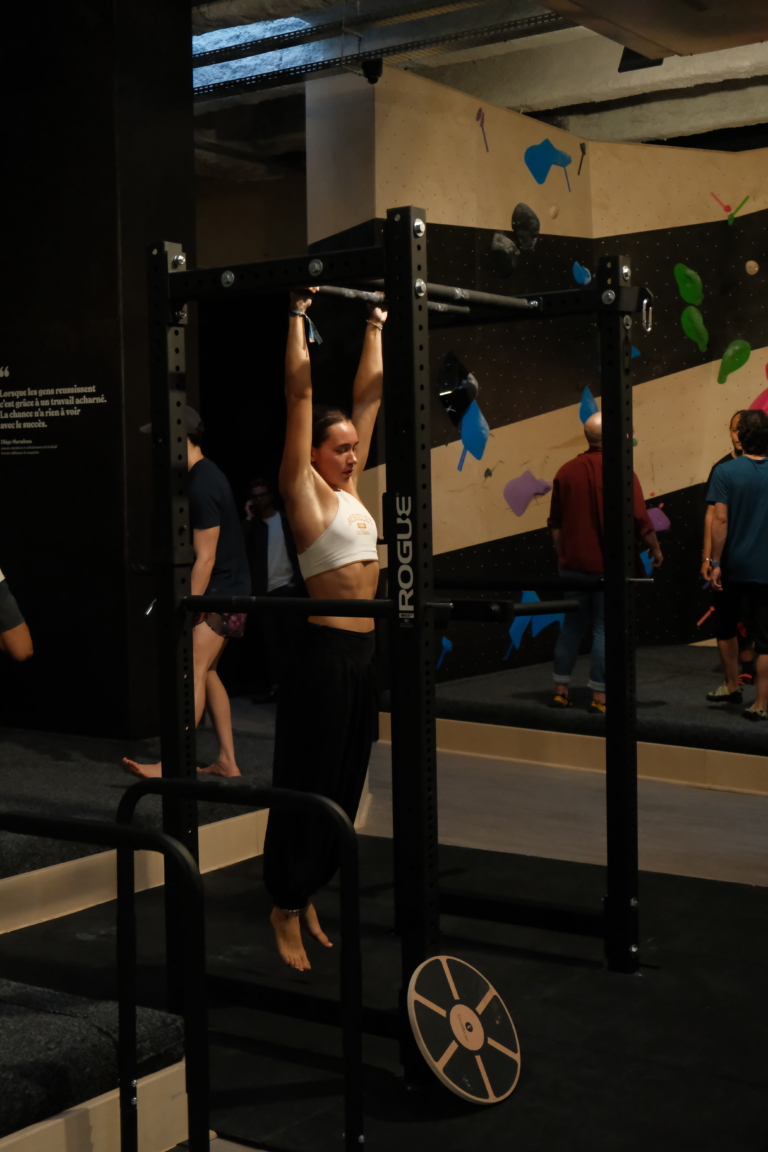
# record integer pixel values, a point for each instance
(327, 707)
(220, 568)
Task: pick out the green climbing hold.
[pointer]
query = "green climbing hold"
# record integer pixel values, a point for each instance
(735, 356)
(634, 443)
(693, 326)
(689, 283)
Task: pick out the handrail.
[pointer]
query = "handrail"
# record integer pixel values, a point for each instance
(127, 841)
(351, 989)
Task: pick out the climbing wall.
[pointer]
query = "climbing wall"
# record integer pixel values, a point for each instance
(516, 205)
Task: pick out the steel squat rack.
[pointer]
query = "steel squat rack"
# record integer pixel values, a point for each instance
(412, 612)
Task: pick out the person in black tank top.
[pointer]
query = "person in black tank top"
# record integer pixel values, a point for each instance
(327, 711)
(221, 566)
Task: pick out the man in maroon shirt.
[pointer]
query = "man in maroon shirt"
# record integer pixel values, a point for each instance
(576, 522)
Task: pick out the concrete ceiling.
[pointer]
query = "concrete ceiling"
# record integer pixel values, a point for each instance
(569, 76)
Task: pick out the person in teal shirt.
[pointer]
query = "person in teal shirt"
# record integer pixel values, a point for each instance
(738, 491)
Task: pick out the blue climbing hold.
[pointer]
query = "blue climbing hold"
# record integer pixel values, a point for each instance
(646, 559)
(539, 158)
(538, 623)
(447, 647)
(474, 433)
(635, 352)
(588, 405)
(581, 274)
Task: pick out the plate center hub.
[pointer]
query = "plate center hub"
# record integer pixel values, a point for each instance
(467, 1027)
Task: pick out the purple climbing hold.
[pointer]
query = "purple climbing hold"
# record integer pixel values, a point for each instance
(659, 519)
(519, 492)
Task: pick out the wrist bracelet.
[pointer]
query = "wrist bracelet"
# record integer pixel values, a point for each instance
(313, 335)
(376, 324)
(714, 563)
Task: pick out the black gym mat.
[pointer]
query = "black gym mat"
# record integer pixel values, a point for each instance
(58, 1050)
(48, 774)
(672, 1059)
(672, 683)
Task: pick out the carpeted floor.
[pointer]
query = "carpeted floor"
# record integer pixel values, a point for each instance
(671, 1059)
(81, 776)
(672, 683)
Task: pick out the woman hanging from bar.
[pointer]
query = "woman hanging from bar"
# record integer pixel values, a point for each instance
(326, 711)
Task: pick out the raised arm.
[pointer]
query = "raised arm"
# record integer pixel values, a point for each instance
(296, 464)
(366, 392)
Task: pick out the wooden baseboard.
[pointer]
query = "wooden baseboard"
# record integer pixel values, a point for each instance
(95, 1125)
(46, 893)
(698, 767)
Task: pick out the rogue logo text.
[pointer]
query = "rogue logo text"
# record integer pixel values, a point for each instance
(404, 558)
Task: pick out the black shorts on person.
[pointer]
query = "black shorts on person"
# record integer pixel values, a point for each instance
(10, 613)
(326, 722)
(734, 603)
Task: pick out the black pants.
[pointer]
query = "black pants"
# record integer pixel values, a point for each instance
(326, 721)
(281, 635)
(742, 602)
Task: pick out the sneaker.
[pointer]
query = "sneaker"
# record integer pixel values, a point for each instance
(755, 714)
(560, 701)
(596, 706)
(722, 695)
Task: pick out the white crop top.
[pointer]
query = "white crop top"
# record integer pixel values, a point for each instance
(350, 536)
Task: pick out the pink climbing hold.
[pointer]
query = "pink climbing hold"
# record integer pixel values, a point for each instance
(762, 400)
(519, 492)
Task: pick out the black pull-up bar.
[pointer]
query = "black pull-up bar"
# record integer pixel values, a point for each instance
(563, 583)
(380, 298)
(444, 610)
(469, 296)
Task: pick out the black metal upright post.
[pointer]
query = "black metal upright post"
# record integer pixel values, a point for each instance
(173, 558)
(621, 918)
(408, 513)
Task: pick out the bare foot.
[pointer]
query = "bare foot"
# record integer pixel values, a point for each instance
(218, 768)
(148, 771)
(289, 943)
(309, 916)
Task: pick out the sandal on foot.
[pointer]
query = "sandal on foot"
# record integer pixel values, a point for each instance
(596, 706)
(755, 714)
(559, 701)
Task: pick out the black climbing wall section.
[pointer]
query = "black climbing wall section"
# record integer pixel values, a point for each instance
(527, 368)
(667, 610)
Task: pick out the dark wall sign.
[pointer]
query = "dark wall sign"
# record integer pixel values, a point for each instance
(97, 165)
